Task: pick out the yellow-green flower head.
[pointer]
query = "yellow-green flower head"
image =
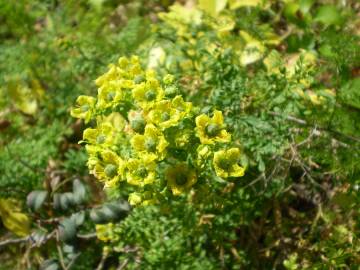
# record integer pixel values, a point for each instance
(92, 151)
(110, 168)
(113, 92)
(102, 135)
(140, 171)
(163, 115)
(211, 130)
(110, 75)
(150, 74)
(135, 68)
(226, 163)
(83, 110)
(152, 142)
(105, 232)
(123, 62)
(184, 108)
(180, 178)
(137, 121)
(135, 198)
(124, 84)
(147, 94)
(106, 96)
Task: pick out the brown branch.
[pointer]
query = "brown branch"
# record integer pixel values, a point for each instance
(68, 267)
(102, 261)
(29, 238)
(87, 236)
(14, 241)
(123, 265)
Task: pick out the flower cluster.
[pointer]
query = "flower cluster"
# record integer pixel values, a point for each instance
(147, 137)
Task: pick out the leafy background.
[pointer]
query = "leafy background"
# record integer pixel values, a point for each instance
(297, 206)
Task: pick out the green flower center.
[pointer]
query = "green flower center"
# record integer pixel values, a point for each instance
(165, 116)
(138, 125)
(85, 108)
(181, 179)
(150, 145)
(110, 96)
(225, 163)
(100, 139)
(110, 170)
(150, 95)
(141, 172)
(139, 79)
(212, 130)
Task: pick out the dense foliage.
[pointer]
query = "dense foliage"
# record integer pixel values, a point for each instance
(231, 128)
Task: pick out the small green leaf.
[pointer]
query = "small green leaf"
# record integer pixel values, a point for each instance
(305, 5)
(36, 199)
(78, 218)
(66, 200)
(79, 191)
(67, 230)
(50, 264)
(213, 7)
(328, 15)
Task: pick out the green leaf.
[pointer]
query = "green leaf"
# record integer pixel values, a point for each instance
(213, 7)
(328, 15)
(79, 191)
(36, 199)
(305, 5)
(67, 230)
(290, 10)
(110, 212)
(66, 200)
(56, 201)
(78, 218)
(235, 4)
(50, 264)
(350, 94)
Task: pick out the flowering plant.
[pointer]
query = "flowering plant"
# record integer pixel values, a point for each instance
(147, 137)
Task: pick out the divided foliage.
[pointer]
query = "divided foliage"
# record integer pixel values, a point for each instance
(231, 126)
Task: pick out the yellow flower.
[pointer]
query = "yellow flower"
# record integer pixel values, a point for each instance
(135, 198)
(84, 108)
(111, 93)
(112, 74)
(226, 163)
(106, 96)
(183, 108)
(93, 153)
(211, 130)
(147, 94)
(166, 113)
(102, 135)
(180, 178)
(141, 171)
(105, 232)
(110, 168)
(152, 142)
(123, 62)
(163, 114)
